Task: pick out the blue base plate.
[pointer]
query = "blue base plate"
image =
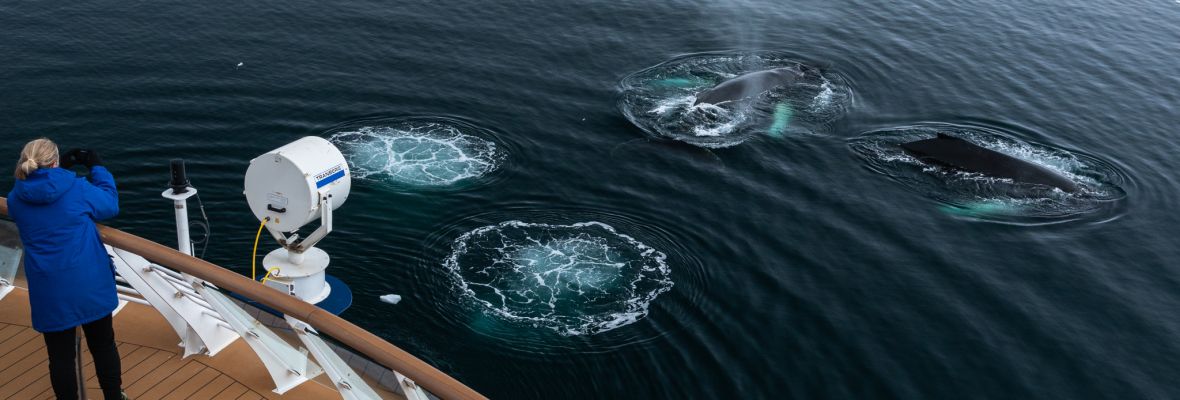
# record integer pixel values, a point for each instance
(338, 300)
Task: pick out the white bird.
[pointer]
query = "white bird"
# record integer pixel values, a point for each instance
(240, 65)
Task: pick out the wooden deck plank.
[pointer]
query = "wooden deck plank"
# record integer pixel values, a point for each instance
(158, 373)
(232, 392)
(14, 308)
(126, 362)
(152, 363)
(193, 384)
(48, 393)
(28, 383)
(25, 365)
(184, 388)
(7, 331)
(3, 328)
(172, 381)
(145, 326)
(34, 388)
(250, 396)
(217, 385)
(88, 370)
(22, 338)
(30, 347)
(131, 355)
(31, 360)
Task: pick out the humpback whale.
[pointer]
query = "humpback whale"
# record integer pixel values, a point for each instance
(748, 85)
(960, 154)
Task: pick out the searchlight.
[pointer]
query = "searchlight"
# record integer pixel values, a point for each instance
(288, 188)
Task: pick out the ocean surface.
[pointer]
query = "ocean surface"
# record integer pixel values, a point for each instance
(563, 223)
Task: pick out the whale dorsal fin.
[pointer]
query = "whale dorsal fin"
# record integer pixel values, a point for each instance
(943, 135)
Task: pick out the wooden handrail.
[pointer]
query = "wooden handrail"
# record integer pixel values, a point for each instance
(381, 351)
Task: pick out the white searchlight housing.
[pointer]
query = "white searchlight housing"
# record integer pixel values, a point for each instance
(290, 187)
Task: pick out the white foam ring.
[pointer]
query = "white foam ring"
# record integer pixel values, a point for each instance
(578, 279)
(417, 153)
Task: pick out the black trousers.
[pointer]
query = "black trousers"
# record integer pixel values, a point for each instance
(65, 366)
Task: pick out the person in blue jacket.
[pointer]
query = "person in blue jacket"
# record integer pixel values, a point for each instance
(70, 276)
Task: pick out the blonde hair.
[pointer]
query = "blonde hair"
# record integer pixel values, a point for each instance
(39, 153)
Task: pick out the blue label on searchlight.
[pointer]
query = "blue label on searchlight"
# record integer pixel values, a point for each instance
(329, 179)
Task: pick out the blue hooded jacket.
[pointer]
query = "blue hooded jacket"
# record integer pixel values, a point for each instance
(71, 277)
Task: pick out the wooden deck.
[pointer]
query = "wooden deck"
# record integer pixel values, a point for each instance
(152, 367)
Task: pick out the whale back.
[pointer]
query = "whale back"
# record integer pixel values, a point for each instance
(748, 85)
(957, 153)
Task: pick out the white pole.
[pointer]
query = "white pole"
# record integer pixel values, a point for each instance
(183, 242)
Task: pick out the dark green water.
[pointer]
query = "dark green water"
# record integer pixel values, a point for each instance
(801, 267)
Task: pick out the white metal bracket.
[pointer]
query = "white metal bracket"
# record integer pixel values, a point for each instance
(410, 389)
(9, 262)
(288, 367)
(350, 385)
(200, 328)
(324, 229)
(5, 288)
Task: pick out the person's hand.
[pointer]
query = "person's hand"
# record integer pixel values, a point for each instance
(89, 158)
(69, 159)
(86, 157)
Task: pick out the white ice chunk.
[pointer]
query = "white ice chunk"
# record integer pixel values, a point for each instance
(391, 298)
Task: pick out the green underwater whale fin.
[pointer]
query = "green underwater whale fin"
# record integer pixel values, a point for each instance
(981, 208)
(781, 119)
(684, 82)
